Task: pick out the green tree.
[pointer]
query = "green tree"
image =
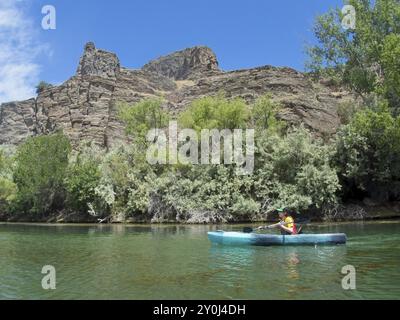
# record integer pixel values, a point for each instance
(264, 114)
(2, 161)
(82, 178)
(8, 189)
(215, 113)
(143, 116)
(368, 155)
(41, 164)
(391, 64)
(365, 58)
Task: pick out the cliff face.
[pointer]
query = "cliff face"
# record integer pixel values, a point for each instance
(85, 106)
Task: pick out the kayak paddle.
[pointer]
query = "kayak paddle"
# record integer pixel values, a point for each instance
(250, 230)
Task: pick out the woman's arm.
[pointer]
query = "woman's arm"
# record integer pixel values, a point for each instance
(274, 226)
(283, 227)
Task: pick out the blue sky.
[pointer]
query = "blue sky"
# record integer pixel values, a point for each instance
(243, 34)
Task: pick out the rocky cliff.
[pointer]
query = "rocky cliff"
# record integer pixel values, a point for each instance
(85, 106)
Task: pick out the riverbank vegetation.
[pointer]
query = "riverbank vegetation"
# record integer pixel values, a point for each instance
(293, 166)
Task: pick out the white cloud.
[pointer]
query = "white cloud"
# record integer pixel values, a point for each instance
(19, 50)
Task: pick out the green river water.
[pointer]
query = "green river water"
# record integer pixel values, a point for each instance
(178, 262)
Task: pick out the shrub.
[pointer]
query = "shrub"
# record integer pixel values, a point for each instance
(126, 182)
(216, 189)
(42, 86)
(294, 171)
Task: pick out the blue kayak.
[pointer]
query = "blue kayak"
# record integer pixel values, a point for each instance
(255, 239)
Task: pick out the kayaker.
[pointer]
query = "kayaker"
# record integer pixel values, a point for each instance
(286, 223)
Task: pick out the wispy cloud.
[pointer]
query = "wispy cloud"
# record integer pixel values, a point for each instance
(19, 50)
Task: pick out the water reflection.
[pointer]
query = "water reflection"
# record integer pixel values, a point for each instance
(292, 262)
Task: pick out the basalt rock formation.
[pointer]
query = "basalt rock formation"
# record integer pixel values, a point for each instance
(85, 106)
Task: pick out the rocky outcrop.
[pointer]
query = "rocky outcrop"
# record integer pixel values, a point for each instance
(85, 107)
(192, 63)
(98, 63)
(17, 121)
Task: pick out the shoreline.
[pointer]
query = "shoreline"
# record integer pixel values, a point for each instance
(83, 224)
(351, 212)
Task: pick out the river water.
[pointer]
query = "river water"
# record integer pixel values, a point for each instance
(178, 262)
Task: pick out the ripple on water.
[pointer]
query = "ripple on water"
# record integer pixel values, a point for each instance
(178, 262)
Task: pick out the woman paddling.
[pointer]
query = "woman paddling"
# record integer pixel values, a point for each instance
(286, 223)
